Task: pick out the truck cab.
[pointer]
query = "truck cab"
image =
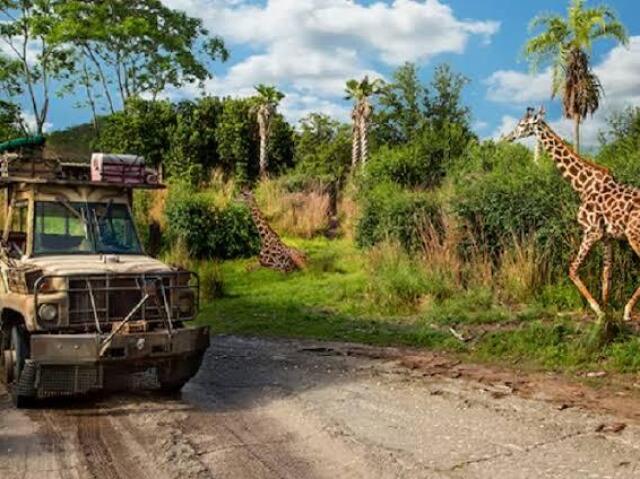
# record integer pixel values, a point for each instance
(82, 307)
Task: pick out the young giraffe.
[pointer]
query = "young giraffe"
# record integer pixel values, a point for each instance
(608, 209)
(274, 253)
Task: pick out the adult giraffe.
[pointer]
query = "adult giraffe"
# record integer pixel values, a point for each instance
(608, 209)
(274, 254)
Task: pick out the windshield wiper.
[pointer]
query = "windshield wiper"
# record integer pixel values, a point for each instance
(72, 210)
(80, 215)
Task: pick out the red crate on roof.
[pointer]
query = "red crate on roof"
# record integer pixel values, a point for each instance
(123, 169)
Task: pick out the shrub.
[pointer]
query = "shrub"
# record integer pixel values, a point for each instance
(392, 213)
(396, 282)
(422, 162)
(178, 255)
(529, 201)
(211, 280)
(208, 230)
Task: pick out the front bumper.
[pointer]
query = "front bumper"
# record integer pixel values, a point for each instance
(67, 364)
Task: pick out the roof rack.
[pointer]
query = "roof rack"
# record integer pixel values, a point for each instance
(5, 181)
(22, 161)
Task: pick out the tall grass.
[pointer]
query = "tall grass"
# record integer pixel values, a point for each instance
(302, 214)
(454, 274)
(397, 283)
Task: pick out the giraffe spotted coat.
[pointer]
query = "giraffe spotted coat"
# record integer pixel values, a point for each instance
(608, 209)
(274, 254)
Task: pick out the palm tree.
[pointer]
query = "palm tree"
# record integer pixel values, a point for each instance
(566, 43)
(359, 92)
(266, 103)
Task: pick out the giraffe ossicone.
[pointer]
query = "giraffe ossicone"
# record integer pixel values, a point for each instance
(608, 209)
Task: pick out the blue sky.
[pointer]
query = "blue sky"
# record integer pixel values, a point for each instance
(308, 48)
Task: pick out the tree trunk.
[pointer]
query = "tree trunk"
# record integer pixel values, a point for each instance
(355, 145)
(576, 134)
(263, 156)
(364, 141)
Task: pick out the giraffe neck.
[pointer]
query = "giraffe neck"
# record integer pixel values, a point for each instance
(577, 171)
(264, 230)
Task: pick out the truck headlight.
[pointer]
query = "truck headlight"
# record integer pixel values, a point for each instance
(48, 312)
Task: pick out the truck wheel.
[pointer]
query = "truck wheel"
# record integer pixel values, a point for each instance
(5, 344)
(15, 358)
(14, 354)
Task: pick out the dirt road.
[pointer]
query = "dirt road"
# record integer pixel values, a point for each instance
(291, 409)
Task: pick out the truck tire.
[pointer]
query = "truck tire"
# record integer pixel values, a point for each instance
(19, 352)
(5, 343)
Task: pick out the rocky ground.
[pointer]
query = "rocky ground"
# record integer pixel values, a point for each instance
(291, 409)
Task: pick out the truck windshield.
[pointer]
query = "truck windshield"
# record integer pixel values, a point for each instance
(63, 227)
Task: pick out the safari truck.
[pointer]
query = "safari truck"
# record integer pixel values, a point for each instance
(83, 308)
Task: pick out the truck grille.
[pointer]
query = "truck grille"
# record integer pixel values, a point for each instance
(111, 298)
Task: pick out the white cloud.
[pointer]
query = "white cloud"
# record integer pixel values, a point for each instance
(29, 121)
(507, 124)
(309, 48)
(296, 106)
(509, 86)
(618, 72)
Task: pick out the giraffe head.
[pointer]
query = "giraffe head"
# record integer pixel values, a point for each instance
(246, 196)
(527, 125)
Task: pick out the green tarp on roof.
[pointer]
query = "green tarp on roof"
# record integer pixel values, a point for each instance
(21, 143)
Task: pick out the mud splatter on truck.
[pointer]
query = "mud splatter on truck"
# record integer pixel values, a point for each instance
(83, 308)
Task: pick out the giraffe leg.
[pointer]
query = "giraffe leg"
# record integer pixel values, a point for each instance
(634, 241)
(606, 271)
(590, 238)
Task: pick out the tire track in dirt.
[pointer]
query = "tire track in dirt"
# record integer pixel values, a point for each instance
(53, 440)
(102, 451)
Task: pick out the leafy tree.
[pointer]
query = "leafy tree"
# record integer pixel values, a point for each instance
(620, 145)
(360, 92)
(427, 128)
(281, 145)
(566, 43)
(194, 146)
(236, 134)
(266, 103)
(141, 46)
(445, 113)
(35, 61)
(143, 128)
(10, 71)
(400, 109)
(11, 124)
(322, 148)
(443, 102)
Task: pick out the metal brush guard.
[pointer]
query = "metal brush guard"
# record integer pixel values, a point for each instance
(96, 301)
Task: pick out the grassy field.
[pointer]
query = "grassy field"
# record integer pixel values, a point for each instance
(334, 299)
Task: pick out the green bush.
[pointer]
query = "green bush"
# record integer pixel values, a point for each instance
(210, 231)
(421, 163)
(523, 202)
(392, 213)
(211, 280)
(396, 282)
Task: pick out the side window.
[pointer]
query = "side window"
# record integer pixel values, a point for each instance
(19, 218)
(17, 237)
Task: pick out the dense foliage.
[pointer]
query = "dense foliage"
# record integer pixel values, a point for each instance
(390, 212)
(10, 121)
(192, 138)
(209, 230)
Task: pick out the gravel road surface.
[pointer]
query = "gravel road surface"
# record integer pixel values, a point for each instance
(302, 409)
